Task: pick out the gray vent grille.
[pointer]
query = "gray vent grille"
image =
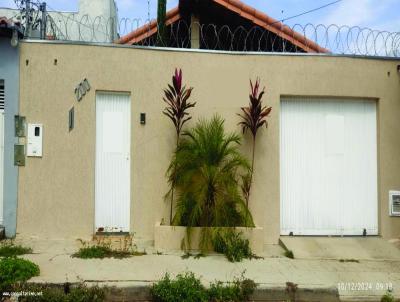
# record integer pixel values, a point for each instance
(2, 95)
(396, 205)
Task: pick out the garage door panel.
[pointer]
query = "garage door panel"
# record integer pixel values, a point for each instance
(328, 167)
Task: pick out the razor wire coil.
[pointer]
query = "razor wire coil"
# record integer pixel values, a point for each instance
(335, 39)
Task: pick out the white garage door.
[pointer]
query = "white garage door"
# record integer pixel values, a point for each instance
(328, 158)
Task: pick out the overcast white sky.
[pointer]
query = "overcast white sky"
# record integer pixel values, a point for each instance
(376, 14)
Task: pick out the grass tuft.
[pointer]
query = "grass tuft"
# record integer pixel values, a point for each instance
(233, 245)
(388, 297)
(69, 293)
(101, 252)
(187, 287)
(11, 250)
(13, 270)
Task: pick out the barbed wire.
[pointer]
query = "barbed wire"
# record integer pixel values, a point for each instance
(336, 39)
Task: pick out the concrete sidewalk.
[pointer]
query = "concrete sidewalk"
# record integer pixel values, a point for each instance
(363, 281)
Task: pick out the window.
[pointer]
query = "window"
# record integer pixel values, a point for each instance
(2, 95)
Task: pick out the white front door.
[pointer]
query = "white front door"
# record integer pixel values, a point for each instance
(1, 164)
(113, 169)
(328, 158)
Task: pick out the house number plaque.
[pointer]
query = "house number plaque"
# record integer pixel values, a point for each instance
(81, 90)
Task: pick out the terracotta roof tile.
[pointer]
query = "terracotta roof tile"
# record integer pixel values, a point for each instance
(149, 29)
(257, 17)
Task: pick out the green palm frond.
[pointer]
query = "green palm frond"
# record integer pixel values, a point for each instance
(207, 170)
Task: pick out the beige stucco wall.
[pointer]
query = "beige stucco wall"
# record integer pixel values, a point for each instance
(56, 192)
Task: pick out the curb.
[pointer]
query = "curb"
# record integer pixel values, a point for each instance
(141, 293)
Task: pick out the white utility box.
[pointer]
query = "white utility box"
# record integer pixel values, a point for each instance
(35, 140)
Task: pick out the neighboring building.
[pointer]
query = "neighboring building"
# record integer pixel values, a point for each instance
(10, 33)
(95, 21)
(222, 25)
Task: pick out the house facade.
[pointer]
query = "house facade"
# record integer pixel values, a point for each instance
(96, 160)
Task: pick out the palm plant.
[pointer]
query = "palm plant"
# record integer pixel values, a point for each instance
(206, 170)
(176, 97)
(253, 118)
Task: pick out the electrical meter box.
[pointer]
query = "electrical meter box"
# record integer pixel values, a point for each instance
(35, 140)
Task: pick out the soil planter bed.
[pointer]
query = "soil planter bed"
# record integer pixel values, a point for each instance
(169, 238)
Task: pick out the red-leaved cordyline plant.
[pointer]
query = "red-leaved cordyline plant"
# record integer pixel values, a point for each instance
(253, 118)
(176, 97)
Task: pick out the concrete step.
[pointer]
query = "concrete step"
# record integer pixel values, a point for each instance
(115, 241)
(345, 248)
(122, 241)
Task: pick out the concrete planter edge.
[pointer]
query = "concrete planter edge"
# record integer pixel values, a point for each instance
(169, 238)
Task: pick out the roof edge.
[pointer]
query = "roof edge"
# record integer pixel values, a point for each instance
(259, 18)
(149, 29)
